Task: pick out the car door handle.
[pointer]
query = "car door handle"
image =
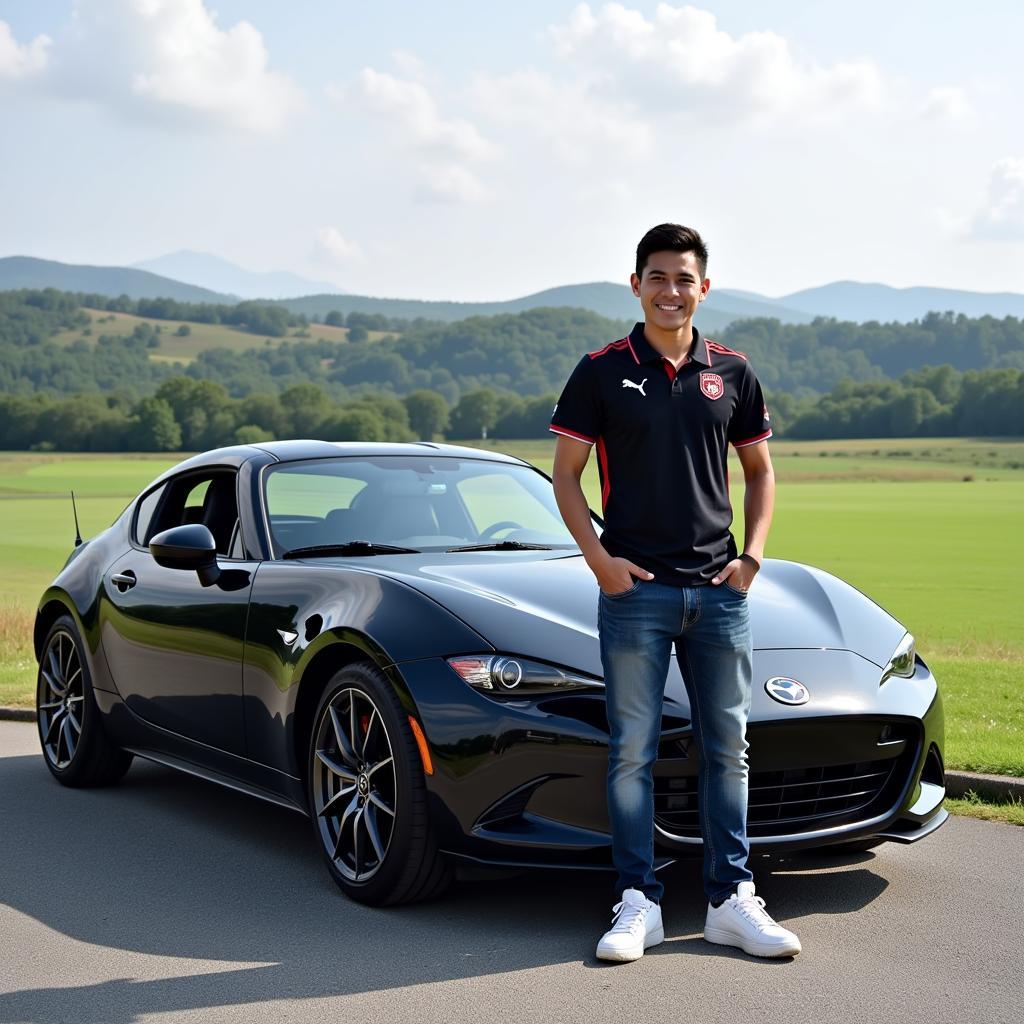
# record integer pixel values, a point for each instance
(124, 580)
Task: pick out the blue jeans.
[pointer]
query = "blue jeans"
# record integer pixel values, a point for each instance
(710, 628)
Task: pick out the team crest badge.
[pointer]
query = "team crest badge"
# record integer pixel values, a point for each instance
(711, 385)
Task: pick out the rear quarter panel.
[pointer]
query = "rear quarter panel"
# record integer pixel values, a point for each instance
(76, 590)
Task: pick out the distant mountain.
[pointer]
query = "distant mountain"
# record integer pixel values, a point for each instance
(743, 305)
(28, 272)
(843, 300)
(209, 271)
(853, 300)
(614, 301)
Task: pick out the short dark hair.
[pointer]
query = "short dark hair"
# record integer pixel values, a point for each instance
(671, 238)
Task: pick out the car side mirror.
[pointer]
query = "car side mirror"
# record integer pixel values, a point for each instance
(187, 547)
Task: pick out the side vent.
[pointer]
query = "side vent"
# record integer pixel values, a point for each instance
(933, 770)
(514, 804)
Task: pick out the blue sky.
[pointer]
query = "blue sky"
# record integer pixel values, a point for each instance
(471, 151)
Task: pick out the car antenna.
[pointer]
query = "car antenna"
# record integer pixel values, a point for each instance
(78, 532)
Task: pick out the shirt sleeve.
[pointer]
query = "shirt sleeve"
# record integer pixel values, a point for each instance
(578, 412)
(750, 421)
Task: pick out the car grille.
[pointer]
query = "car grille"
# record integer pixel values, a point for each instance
(802, 775)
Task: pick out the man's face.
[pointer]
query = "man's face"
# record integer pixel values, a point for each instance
(670, 289)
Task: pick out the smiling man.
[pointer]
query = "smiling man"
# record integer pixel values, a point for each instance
(662, 406)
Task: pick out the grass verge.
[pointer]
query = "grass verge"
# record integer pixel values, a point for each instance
(17, 659)
(984, 705)
(972, 806)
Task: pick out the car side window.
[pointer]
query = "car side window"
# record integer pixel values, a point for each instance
(207, 498)
(144, 516)
(194, 498)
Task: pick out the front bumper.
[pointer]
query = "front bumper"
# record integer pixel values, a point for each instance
(523, 783)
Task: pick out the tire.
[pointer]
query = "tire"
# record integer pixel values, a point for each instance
(367, 796)
(76, 748)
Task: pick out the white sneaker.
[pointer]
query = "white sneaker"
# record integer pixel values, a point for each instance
(636, 926)
(742, 921)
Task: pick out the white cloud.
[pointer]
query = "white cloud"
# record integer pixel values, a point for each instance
(449, 183)
(565, 117)
(19, 60)
(333, 249)
(412, 110)
(680, 62)
(947, 103)
(410, 64)
(170, 59)
(444, 148)
(1001, 217)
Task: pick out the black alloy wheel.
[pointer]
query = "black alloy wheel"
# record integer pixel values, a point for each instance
(75, 747)
(61, 696)
(367, 794)
(355, 788)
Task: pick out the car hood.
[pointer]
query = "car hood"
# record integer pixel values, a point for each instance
(546, 607)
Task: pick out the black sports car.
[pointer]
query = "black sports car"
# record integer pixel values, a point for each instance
(400, 641)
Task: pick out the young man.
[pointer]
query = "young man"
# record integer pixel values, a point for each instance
(661, 406)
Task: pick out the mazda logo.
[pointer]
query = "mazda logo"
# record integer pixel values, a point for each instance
(786, 690)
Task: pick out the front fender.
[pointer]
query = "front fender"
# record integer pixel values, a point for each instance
(299, 612)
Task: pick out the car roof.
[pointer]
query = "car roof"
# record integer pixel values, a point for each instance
(294, 451)
(289, 451)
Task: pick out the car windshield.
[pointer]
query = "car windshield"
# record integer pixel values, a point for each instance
(427, 503)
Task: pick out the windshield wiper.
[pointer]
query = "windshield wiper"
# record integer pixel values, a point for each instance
(352, 547)
(502, 545)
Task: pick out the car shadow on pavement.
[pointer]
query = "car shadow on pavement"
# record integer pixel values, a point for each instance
(167, 865)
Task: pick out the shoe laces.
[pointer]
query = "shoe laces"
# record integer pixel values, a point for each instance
(752, 908)
(629, 917)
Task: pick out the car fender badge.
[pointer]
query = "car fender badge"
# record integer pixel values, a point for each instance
(786, 690)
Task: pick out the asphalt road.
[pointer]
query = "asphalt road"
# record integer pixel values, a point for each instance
(168, 899)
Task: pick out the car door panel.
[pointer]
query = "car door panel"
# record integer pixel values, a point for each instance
(174, 647)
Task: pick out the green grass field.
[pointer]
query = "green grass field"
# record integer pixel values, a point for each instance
(928, 528)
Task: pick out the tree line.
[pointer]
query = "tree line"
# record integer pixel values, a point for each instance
(935, 401)
(524, 354)
(185, 414)
(532, 353)
(942, 375)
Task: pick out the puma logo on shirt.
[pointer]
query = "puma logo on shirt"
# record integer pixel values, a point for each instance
(640, 387)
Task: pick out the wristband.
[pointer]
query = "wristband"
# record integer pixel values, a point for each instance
(750, 558)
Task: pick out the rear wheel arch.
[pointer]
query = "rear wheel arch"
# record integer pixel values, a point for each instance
(67, 715)
(46, 616)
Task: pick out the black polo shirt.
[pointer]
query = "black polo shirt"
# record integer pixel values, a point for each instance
(662, 439)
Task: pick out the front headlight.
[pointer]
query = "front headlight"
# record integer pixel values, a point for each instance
(903, 660)
(508, 675)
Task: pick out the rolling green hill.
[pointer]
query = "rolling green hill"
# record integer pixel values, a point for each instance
(183, 348)
(614, 301)
(28, 272)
